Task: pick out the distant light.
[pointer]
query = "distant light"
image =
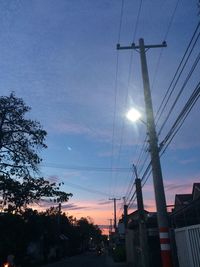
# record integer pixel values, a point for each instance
(133, 115)
(69, 148)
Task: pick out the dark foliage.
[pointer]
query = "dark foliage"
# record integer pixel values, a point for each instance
(17, 195)
(20, 140)
(46, 230)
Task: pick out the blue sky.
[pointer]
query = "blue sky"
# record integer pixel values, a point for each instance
(60, 57)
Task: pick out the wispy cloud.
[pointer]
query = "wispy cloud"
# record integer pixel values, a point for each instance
(104, 203)
(179, 187)
(78, 128)
(44, 204)
(71, 207)
(187, 161)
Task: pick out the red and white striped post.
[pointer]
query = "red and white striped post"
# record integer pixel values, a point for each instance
(165, 247)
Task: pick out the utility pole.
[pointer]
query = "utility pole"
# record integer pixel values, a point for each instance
(139, 196)
(110, 227)
(115, 216)
(125, 213)
(144, 256)
(162, 215)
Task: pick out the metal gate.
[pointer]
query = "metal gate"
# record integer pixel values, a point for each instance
(188, 246)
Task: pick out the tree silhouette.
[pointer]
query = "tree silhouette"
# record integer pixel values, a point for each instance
(17, 195)
(20, 138)
(20, 141)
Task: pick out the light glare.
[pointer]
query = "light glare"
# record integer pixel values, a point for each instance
(133, 115)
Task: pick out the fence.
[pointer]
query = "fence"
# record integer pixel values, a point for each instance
(188, 246)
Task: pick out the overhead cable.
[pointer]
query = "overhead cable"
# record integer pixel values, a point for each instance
(115, 91)
(174, 130)
(180, 91)
(181, 118)
(164, 38)
(85, 168)
(177, 74)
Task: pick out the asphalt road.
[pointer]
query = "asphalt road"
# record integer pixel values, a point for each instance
(88, 259)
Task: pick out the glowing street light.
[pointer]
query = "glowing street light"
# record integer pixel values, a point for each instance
(133, 115)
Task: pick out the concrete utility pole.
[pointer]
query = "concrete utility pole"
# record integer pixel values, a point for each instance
(110, 227)
(138, 190)
(115, 215)
(155, 159)
(125, 213)
(142, 222)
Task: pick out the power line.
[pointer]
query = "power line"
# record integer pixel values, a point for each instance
(144, 162)
(145, 146)
(129, 78)
(171, 19)
(120, 21)
(128, 86)
(177, 75)
(181, 91)
(115, 91)
(164, 38)
(173, 131)
(137, 20)
(181, 118)
(90, 190)
(84, 168)
(147, 171)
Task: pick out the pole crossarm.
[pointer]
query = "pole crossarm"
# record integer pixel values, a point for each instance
(133, 46)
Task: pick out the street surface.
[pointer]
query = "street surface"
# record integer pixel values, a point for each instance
(89, 259)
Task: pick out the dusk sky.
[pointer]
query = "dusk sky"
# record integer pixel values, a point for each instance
(61, 58)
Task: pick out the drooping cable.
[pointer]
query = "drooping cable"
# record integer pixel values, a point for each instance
(174, 130)
(84, 168)
(181, 118)
(164, 38)
(145, 146)
(137, 20)
(171, 20)
(180, 92)
(129, 75)
(177, 74)
(115, 91)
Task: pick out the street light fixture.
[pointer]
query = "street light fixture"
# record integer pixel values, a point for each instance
(133, 115)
